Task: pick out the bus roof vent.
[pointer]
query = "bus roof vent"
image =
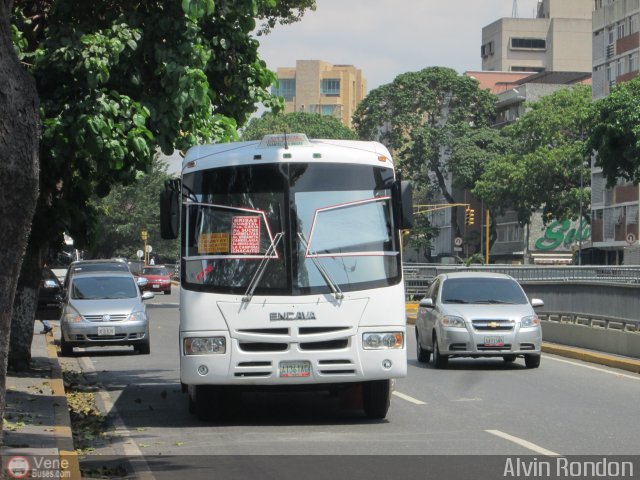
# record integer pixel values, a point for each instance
(284, 140)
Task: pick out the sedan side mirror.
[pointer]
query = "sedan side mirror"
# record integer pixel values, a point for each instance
(426, 303)
(536, 302)
(147, 295)
(142, 282)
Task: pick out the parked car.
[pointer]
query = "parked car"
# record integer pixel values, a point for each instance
(476, 314)
(104, 309)
(50, 296)
(158, 278)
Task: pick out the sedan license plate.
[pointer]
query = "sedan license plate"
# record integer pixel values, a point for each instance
(295, 369)
(156, 286)
(106, 331)
(494, 341)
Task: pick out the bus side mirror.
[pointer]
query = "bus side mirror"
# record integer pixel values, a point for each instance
(169, 213)
(403, 205)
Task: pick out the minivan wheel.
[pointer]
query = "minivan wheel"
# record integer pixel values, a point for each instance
(144, 347)
(532, 361)
(376, 398)
(422, 354)
(66, 349)
(439, 360)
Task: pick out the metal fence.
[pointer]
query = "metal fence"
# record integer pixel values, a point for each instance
(418, 276)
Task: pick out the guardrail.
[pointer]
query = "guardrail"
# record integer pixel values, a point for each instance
(417, 276)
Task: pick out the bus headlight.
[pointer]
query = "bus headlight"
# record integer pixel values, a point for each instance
(382, 340)
(204, 345)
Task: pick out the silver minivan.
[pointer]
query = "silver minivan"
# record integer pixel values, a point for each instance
(477, 314)
(104, 309)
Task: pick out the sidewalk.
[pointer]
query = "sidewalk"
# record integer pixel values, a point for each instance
(37, 425)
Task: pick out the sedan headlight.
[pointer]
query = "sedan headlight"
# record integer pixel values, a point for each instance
(530, 321)
(204, 345)
(382, 340)
(138, 316)
(71, 315)
(451, 321)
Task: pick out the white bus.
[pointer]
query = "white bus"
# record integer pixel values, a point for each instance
(291, 269)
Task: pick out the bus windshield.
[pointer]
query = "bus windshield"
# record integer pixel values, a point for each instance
(335, 217)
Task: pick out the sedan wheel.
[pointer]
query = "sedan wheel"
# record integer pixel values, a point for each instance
(509, 358)
(422, 354)
(439, 361)
(532, 361)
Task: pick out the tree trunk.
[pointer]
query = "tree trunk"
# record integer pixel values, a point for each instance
(19, 138)
(24, 309)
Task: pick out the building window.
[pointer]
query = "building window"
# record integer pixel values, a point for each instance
(633, 62)
(633, 24)
(598, 4)
(529, 43)
(515, 68)
(620, 70)
(620, 29)
(509, 232)
(330, 87)
(286, 88)
(486, 49)
(612, 35)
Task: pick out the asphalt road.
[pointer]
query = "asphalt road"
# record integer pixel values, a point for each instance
(474, 407)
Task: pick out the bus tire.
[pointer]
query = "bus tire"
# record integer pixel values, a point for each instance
(376, 398)
(207, 404)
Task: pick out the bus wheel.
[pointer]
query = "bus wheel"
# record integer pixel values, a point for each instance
(206, 402)
(376, 397)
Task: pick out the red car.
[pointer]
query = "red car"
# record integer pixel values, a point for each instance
(158, 278)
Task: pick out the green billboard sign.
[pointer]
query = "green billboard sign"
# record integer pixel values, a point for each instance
(561, 232)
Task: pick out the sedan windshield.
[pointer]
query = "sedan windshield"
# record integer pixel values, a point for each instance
(100, 288)
(482, 290)
(303, 218)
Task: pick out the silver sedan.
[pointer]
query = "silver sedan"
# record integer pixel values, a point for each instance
(475, 314)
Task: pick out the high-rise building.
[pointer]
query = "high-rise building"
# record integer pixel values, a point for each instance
(558, 39)
(314, 86)
(615, 212)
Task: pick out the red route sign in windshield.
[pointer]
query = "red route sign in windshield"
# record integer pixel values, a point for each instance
(245, 235)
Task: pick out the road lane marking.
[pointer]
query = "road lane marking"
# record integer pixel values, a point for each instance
(603, 370)
(409, 399)
(137, 461)
(523, 443)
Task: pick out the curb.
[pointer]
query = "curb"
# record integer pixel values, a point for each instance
(69, 462)
(591, 356)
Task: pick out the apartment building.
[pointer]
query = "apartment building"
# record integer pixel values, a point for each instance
(614, 211)
(315, 86)
(558, 39)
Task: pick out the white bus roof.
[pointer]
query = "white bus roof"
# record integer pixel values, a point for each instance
(271, 149)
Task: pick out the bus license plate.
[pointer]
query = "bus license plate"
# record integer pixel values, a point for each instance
(494, 341)
(295, 369)
(106, 331)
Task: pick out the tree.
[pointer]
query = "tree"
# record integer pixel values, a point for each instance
(546, 159)
(616, 133)
(19, 135)
(436, 122)
(115, 80)
(312, 124)
(126, 211)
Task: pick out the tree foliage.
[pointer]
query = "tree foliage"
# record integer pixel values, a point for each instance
(546, 158)
(126, 211)
(616, 134)
(420, 117)
(312, 124)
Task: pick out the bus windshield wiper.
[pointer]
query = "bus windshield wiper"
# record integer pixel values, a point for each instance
(323, 272)
(261, 268)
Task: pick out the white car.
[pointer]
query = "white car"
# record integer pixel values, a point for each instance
(476, 314)
(104, 309)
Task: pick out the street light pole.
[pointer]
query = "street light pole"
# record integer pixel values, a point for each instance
(580, 217)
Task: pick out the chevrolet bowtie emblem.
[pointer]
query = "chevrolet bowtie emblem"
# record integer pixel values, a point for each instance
(493, 324)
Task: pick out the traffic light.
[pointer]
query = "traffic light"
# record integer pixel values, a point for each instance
(469, 216)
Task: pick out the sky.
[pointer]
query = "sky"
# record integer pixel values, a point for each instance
(385, 38)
